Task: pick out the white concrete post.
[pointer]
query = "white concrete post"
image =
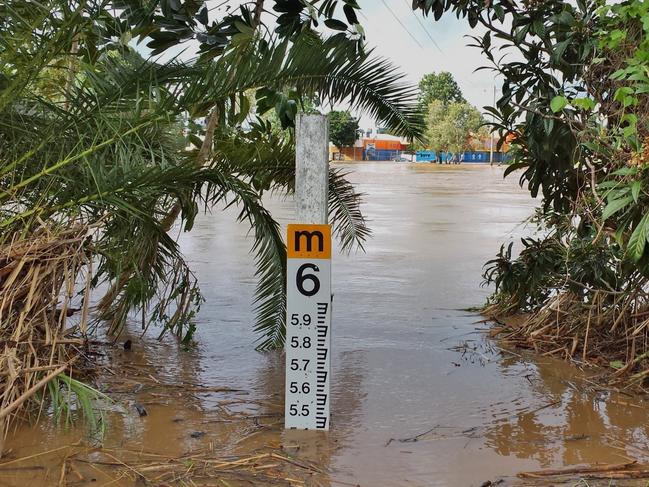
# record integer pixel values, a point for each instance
(311, 168)
(308, 282)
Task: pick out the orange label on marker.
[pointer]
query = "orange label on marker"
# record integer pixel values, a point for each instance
(308, 241)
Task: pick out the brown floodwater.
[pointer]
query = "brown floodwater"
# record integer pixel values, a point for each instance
(421, 395)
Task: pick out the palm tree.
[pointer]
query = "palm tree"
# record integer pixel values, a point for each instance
(102, 149)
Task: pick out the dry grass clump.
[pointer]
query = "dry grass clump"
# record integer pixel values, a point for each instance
(610, 329)
(41, 333)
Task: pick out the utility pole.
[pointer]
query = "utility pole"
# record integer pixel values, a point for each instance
(312, 168)
(493, 118)
(308, 282)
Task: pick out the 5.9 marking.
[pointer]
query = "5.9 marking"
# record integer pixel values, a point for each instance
(295, 319)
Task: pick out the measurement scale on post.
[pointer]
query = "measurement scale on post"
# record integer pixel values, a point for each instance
(308, 326)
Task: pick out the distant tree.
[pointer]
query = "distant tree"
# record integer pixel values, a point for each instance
(439, 86)
(343, 129)
(450, 127)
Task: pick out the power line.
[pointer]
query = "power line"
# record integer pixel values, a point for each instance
(414, 38)
(423, 27)
(402, 25)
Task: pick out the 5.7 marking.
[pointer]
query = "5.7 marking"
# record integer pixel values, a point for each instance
(295, 364)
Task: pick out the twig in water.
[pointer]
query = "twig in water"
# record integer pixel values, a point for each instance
(412, 439)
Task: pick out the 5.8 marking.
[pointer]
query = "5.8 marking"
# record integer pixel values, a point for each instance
(295, 342)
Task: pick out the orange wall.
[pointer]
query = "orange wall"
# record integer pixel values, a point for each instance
(385, 144)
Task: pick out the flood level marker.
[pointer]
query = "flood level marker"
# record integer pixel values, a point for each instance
(308, 286)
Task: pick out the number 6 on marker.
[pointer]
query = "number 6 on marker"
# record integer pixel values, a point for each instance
(301, 277)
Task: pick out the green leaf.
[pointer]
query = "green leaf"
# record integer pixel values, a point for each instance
(350, 14)
(630, 118)
(499, 12)
(638, 239)
(618, 192)
(336, 24)
(583, 103)
(514, 167)
(622, 93)
(548, 125)
(559, 49)
(625, 171)
(608, 185)
(565, 18)
(202, 16)
(243, 28)
(617, 35)
(629, 131)
(558, 103)
(616, 364)
(629, 100)
(616, 205)
(636, 187)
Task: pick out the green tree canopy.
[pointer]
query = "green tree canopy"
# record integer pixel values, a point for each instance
(343, 128)
(439, 86)
(449, 128)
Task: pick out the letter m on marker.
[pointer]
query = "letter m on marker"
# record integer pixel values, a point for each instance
(309, 236)
(308, 241)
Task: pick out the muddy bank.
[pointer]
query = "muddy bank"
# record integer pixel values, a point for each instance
(408, 362)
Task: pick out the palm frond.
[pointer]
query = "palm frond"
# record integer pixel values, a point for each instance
(345, 215)
(268, 248)
(311, 66)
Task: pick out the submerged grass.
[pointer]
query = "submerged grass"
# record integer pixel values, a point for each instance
(70, 396)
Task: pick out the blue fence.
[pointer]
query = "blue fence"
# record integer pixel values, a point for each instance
(426, 156)
(381, 155)
(466, 157)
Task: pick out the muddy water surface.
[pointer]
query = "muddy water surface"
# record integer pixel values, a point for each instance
(420, 396)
